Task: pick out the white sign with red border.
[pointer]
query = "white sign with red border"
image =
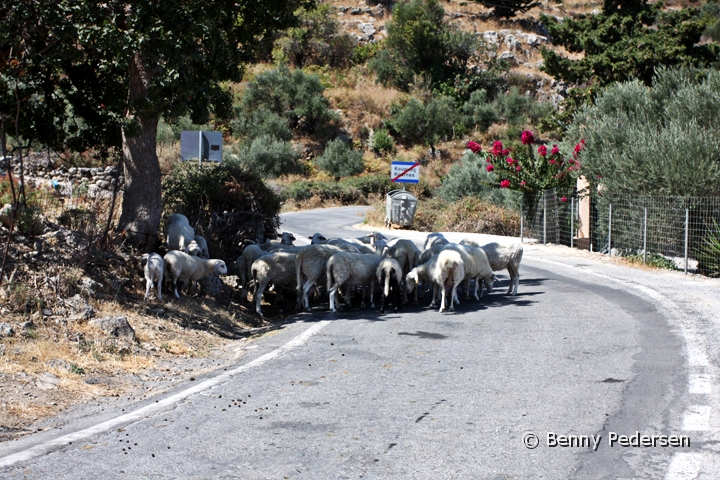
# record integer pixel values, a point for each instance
(405, 172)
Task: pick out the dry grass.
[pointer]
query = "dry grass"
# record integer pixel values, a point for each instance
(469, 215)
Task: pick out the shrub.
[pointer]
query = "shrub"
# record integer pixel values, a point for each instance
(419, 41)
(708, 254)
(346, 191)
(261, 122)
(340, 160)
(478, 112)
(382, 143)
(426, 122)
(654, 141)
(315, 41)
(267, 157)
(291, 94)
(470, 178)
(225, 203)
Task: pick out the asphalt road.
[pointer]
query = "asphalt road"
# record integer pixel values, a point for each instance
(580, 353)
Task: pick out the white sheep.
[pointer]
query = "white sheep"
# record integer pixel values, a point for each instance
(275, 268)
(429, 252)
(351, 242)
(477, 267)
(154, 267)
(347, 269)
(435, 238)
(407, 255)
(181, 266)
(390, 278)
(317, 239)
(179, 233)
(286, 238)
(244, 265)
(446, 269)
(505, 256)
(310, 269)
(202, 243)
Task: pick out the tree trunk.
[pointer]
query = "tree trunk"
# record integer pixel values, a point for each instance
(142, 200)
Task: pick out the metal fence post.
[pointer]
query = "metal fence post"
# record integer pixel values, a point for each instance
(544, 217)
(521, 219)
(687, 228)
(609, 229)
(572, 220)
(645, 237)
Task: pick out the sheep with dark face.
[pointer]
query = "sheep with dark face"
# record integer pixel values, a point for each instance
(390, 278)
(407, 255)
(275, 268)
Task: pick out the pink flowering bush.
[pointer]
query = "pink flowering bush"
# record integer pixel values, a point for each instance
(529, 168)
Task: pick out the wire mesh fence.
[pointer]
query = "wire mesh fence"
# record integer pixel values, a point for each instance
(675, 232)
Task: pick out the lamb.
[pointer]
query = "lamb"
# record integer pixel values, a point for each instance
(181, 266)
(446, 269)
(435, 238)
(178, 232)
(310, 269)
(390, 277)
(244, 265)
(407, 255)
(202, 244)
(347, 269)
(502, 257)
(276, 268)
(477, 266)
(154, 266)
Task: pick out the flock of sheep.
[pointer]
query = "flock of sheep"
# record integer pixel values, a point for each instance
(341, 264)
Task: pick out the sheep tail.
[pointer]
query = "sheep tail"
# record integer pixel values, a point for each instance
(386, 290)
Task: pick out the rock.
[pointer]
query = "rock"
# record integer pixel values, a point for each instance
(509, 56)
(512, 42)
(212, 285)
(88, 286)
(355, 11)
(116, 326)
(83, 310)
(59, 364)
(491, 37)
(367, 28)
(6, 330)
(6, 213)
(2, 349)
(29, 325)
(47, 381)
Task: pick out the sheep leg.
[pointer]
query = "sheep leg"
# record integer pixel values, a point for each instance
(466, 288)
(514, 280)
(454, 295)
(372, 292)
(159, 285)
(258, 297)
(442, 300)
(305, 289)
(331, 293)
(477, 286)
(434, 295)
(148, 285)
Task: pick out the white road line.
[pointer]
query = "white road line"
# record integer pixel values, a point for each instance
(685, 466)
(700, 384)
(163, 404)
(697, 418)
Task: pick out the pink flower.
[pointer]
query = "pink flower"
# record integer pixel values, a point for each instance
(505, 184)
(518, 168)
(579, 146)
(510, 161)
(505, 152)
(474, 146)
(522, 184)
(527, 137)
(497, 148)
(555, 150)
(563, 199)
(489, 167)
(542, 150)
(552, 162)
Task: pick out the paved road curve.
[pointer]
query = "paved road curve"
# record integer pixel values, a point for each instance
(423, 395)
